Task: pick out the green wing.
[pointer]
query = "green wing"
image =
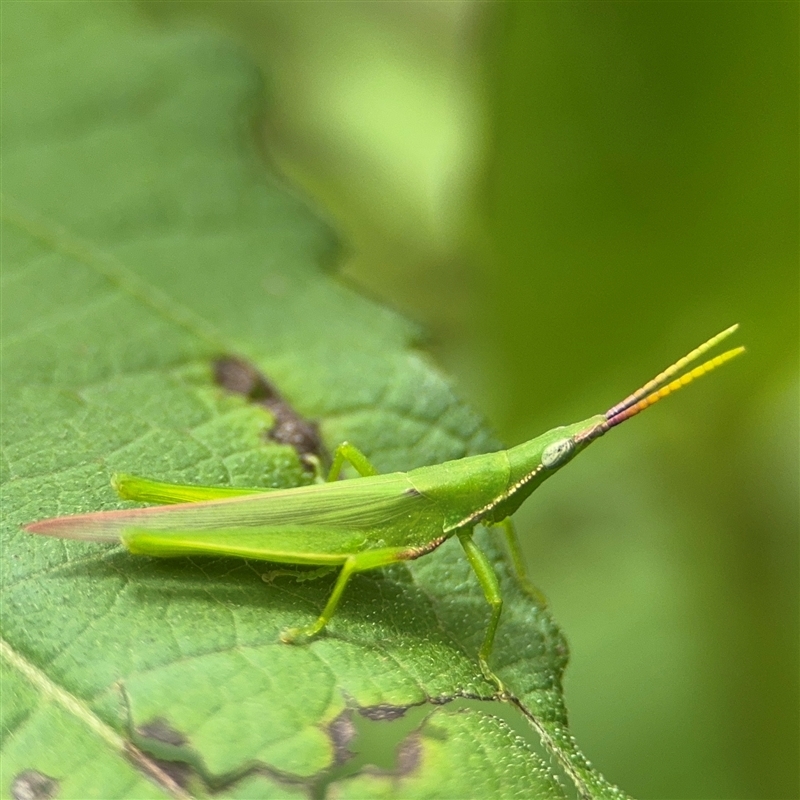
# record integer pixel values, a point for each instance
(386, 507)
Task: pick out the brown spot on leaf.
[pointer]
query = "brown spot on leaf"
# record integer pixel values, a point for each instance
(160, 730)
(342, 731)
(383, 712)
(172, 776)
(179, 771)
(237, 377)
(290, 428)
(34, 785)
(409, 754)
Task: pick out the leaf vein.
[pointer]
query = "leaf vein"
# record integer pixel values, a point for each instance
(68, 701)
(67, 315)
(111, 268)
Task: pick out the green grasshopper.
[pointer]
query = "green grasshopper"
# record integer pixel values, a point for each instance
(367, 522)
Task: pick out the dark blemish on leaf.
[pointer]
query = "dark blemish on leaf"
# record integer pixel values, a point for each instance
(179, 772)
(290, 428)
(412, 492)
(160, 730)
(34, 785)
(237, 377)
(409, 754)
(342, 732)
(173, 776)
(456, 697)
(383, 712)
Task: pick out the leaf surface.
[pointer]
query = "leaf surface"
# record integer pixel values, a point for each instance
(143, 237)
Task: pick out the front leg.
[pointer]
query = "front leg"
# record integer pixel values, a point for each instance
(491, 590)
(350, 453)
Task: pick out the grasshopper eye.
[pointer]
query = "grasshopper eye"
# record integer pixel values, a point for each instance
(557, 453)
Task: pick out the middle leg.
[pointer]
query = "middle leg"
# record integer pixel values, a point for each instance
(358, 562)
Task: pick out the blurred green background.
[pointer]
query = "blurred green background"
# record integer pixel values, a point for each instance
(567, 197)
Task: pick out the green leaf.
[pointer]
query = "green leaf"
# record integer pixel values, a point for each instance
(143, 237)
(501, 768)
(48, 727)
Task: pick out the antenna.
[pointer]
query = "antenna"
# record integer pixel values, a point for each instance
(664, 377)
(664, 384)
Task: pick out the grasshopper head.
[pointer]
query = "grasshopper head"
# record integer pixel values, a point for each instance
(566, 442)
(535, 461)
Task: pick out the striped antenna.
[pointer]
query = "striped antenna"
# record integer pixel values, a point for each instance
(663, 378)
(629, 411)
(662, 385)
